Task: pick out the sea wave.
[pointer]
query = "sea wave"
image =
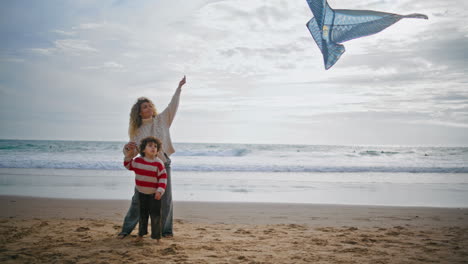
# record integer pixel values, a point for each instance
(95, 155)
(114, 165)
(377, 153)
(323, 169)
(213, 153)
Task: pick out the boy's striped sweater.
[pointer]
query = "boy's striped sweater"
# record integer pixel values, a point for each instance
(150, 175)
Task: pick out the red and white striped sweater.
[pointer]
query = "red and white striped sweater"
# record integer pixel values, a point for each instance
(150, 175)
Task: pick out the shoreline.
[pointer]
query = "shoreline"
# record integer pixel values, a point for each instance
(239, 212)
(234, 202)
(368, 189)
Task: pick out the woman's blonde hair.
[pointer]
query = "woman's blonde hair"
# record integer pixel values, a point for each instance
(135, 118)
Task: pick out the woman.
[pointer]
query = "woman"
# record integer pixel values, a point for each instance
(144, 122)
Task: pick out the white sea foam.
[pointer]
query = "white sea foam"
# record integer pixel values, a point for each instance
(240, 157)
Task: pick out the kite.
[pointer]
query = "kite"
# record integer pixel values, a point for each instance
(330, 27)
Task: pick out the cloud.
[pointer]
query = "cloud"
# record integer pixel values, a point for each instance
(110, 65)
(12, 60)
(90, 26)
(64, 33)
(74, 46)
(40, 51)
(453, 97)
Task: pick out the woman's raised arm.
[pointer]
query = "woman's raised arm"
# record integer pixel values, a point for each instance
(169, 113)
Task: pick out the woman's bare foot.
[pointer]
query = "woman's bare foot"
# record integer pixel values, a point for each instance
(121, 236)
(139, 239)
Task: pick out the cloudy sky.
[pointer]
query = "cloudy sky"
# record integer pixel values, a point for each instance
(71, 69)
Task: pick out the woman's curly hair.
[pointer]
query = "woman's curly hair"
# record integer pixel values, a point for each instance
(135, 118)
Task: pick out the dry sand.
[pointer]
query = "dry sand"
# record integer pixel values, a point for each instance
(39, 230)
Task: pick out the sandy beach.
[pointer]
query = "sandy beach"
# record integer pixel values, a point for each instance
(42, 230)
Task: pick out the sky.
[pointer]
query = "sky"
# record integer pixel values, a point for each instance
(72, 69)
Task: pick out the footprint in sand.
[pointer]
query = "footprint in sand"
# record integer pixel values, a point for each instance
(295, 226)
(366, 239)
(98, 224)
(171, 250)
(351, 242)
(242, 231)
(326, 229)
(354, 250)
(208, 248)
(319, 242)
(82, 229)
(349, 228)
(168, 251)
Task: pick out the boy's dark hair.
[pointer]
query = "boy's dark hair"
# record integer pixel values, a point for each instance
(147, 140)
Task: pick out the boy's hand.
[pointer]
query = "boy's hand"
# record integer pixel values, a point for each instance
(131, 150)
(157, 196)
(130, 145)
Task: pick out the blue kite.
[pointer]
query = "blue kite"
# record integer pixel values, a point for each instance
(329, 27)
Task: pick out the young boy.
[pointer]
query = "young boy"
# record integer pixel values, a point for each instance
(150, 181)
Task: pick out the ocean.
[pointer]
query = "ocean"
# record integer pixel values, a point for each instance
(358, 175)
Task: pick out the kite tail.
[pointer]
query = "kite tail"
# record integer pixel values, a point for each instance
(415, 15)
